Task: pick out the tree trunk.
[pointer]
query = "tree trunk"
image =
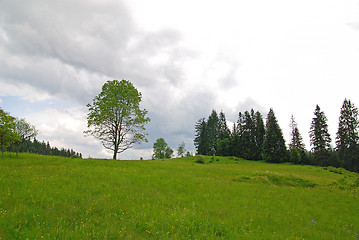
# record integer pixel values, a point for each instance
(114, 155)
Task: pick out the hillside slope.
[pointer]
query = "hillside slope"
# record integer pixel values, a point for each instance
(61, 198)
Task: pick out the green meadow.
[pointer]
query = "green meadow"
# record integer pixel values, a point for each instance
(44, 197)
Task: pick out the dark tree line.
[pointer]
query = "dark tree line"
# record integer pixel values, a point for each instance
(16, 135)
(35, 146)
(251, 139)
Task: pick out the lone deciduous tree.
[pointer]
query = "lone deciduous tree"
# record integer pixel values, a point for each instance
(7, 131)
(161, 149)
(115, 117)
(25, 130)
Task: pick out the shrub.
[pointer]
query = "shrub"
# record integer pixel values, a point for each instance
(199, 159)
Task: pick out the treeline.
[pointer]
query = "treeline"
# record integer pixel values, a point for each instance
(35, 146)
(16, 135)
(251, 139)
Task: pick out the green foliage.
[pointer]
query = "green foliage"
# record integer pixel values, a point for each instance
(25, 131)
(200, 159)
(201, 139)
(213, 136)
(161, 150)
(347, 139)
(7, 131)
(249, 135)
(296, 138)
(35, 146)
(295, 156)
(181, 151)
(60, 198)
(212, 132)
(274, 149)
(115, 117)
(224, 147)
(320, 138)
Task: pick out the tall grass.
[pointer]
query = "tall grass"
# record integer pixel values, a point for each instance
(44, 197)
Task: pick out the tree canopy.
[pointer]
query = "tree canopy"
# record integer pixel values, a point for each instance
(115, 117)
(7, 131)
(161, 149)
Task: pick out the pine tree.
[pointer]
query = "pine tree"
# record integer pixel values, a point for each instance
(347, 139)
(274, 149)
(320, 138)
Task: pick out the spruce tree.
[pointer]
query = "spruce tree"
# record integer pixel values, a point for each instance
(223, 130)
(320, 138)
(274, 149)
(247, 136)
(259, 135)
(213, 132)
(223, 141)
(201, 139)
(296, 145)
(347, 139)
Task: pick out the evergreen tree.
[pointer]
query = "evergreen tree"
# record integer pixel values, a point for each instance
(247, 136)
(296, 145)
(223, 130)
(201, 138)
(274, 149)
(213, 132)
(234, 141)
(223, 141)
(259, 135)
(320, 138)
(347, 139)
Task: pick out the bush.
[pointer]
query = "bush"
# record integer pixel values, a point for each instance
(199, 159)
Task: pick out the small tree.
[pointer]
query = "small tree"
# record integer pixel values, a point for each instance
(25, 131)
(115, 117)
(161, 149)
(296, 145)
(7, 131)
(181, 151)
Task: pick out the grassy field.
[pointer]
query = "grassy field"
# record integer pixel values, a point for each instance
(44, 197)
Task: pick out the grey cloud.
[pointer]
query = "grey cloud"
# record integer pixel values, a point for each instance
(70, 48)
(177, 118)
(100, 39)
(243, 106)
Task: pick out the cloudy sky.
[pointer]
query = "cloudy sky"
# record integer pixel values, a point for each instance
(186, 57)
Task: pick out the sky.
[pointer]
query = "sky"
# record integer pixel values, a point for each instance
(185, 57)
